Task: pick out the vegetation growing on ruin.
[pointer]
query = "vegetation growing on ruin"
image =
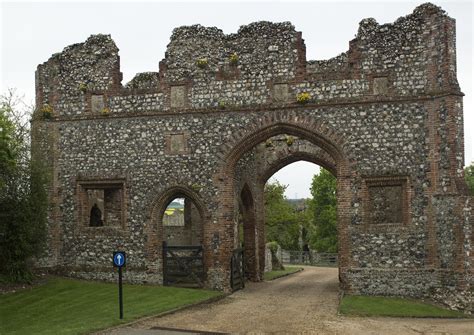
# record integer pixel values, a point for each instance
(303, 97)
(83, 87)
(202, 62)
(234, 58)
(47, 111)
(105, 111)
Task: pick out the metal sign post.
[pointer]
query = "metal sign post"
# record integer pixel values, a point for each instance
(119, 260)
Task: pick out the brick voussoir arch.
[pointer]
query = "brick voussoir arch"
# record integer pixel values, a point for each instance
(318, 133)
(164, 198)
(154, 226)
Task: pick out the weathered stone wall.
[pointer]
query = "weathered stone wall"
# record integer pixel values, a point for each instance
(385, 117)
(268, 259)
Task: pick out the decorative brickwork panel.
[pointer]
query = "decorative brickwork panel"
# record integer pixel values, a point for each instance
(386, 204)
(386, 201)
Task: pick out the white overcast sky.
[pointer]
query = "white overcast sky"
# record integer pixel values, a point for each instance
(32, 31)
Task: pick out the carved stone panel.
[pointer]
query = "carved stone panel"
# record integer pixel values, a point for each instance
(177, 143)
(280, 92)
(97, 103)
(380, 85)
(178, 96)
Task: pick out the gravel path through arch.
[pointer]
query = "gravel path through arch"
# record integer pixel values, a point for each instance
(305, 302)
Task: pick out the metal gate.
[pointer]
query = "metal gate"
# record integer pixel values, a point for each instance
(237, 270)
(183, 266)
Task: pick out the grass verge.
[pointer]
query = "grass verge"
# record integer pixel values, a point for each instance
(67, 306)
(281, 273)
(395, 307)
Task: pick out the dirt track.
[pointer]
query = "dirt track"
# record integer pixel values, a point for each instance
(301, 303)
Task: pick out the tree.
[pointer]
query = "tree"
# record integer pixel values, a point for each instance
(281, 221)
(323, 236)
(23, 198)
(469, 175)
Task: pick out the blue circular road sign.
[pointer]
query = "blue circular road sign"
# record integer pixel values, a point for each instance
(119, 259)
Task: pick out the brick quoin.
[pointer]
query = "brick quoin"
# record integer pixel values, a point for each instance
(385, 117)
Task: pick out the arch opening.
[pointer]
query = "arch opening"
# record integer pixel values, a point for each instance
(280, 146)
(300, 217)
(182, 223)
(175, 242)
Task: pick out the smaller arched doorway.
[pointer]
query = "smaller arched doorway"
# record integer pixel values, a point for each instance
(180, 223)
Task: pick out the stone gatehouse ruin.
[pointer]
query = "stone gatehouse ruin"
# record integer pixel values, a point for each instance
(224, 113)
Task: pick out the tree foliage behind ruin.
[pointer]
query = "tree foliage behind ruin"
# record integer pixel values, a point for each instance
(23, 198)
(469, 175)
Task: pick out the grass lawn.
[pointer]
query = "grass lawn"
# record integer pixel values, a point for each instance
(397, 307)
(67, 306)
(280, 273)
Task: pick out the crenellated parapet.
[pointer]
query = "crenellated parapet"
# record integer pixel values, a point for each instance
(263, 65)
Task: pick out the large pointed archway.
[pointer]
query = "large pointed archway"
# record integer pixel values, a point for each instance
(246, 164)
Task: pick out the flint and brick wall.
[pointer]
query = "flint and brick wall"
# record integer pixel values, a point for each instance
(385, 117)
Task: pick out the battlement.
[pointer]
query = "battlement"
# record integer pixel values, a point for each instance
(263, 64)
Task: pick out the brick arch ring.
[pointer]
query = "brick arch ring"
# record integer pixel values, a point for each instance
(154, 223)
(318, 133)
(164, 198)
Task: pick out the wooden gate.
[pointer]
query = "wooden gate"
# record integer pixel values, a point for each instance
(183, 266)
(237, 270)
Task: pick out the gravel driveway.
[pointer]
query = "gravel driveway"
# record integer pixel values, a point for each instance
(305, 302)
